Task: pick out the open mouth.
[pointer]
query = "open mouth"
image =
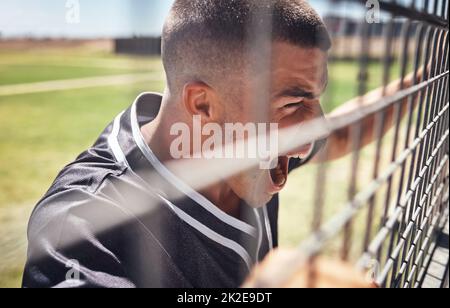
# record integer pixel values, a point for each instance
(301, 152)
(280, 172)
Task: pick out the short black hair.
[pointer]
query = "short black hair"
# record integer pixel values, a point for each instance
(202, 38)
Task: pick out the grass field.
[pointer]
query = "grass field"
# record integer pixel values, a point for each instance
(40, 133)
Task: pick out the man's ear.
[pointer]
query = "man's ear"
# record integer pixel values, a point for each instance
(201, 99)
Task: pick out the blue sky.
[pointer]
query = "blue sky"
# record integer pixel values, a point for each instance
(98, 18)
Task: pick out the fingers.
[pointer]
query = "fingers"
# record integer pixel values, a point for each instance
(321, 273)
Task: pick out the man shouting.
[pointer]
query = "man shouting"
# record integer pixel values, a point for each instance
(120, 216)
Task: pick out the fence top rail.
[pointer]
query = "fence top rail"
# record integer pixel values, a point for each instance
(409, 12)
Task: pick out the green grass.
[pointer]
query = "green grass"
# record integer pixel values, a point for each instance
(343, 81)
(15, 74)
(25, 68)
(40, 133)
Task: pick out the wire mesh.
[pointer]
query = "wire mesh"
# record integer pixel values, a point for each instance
(406, 201)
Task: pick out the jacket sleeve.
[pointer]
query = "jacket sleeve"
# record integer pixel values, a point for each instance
(70, 245)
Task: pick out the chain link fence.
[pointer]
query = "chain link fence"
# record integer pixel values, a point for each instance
(404, 207)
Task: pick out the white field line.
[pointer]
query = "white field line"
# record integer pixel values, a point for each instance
(81, 83)
(75, 62)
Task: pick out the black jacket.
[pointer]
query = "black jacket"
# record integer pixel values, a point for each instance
(106, 221)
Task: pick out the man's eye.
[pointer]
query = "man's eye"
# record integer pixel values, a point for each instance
(293, 105)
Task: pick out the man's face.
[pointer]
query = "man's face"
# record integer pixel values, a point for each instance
(296, 80)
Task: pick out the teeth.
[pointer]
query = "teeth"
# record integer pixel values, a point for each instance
(278, 175)
(283, 181)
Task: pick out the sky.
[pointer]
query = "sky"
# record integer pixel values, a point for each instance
(96, 18)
